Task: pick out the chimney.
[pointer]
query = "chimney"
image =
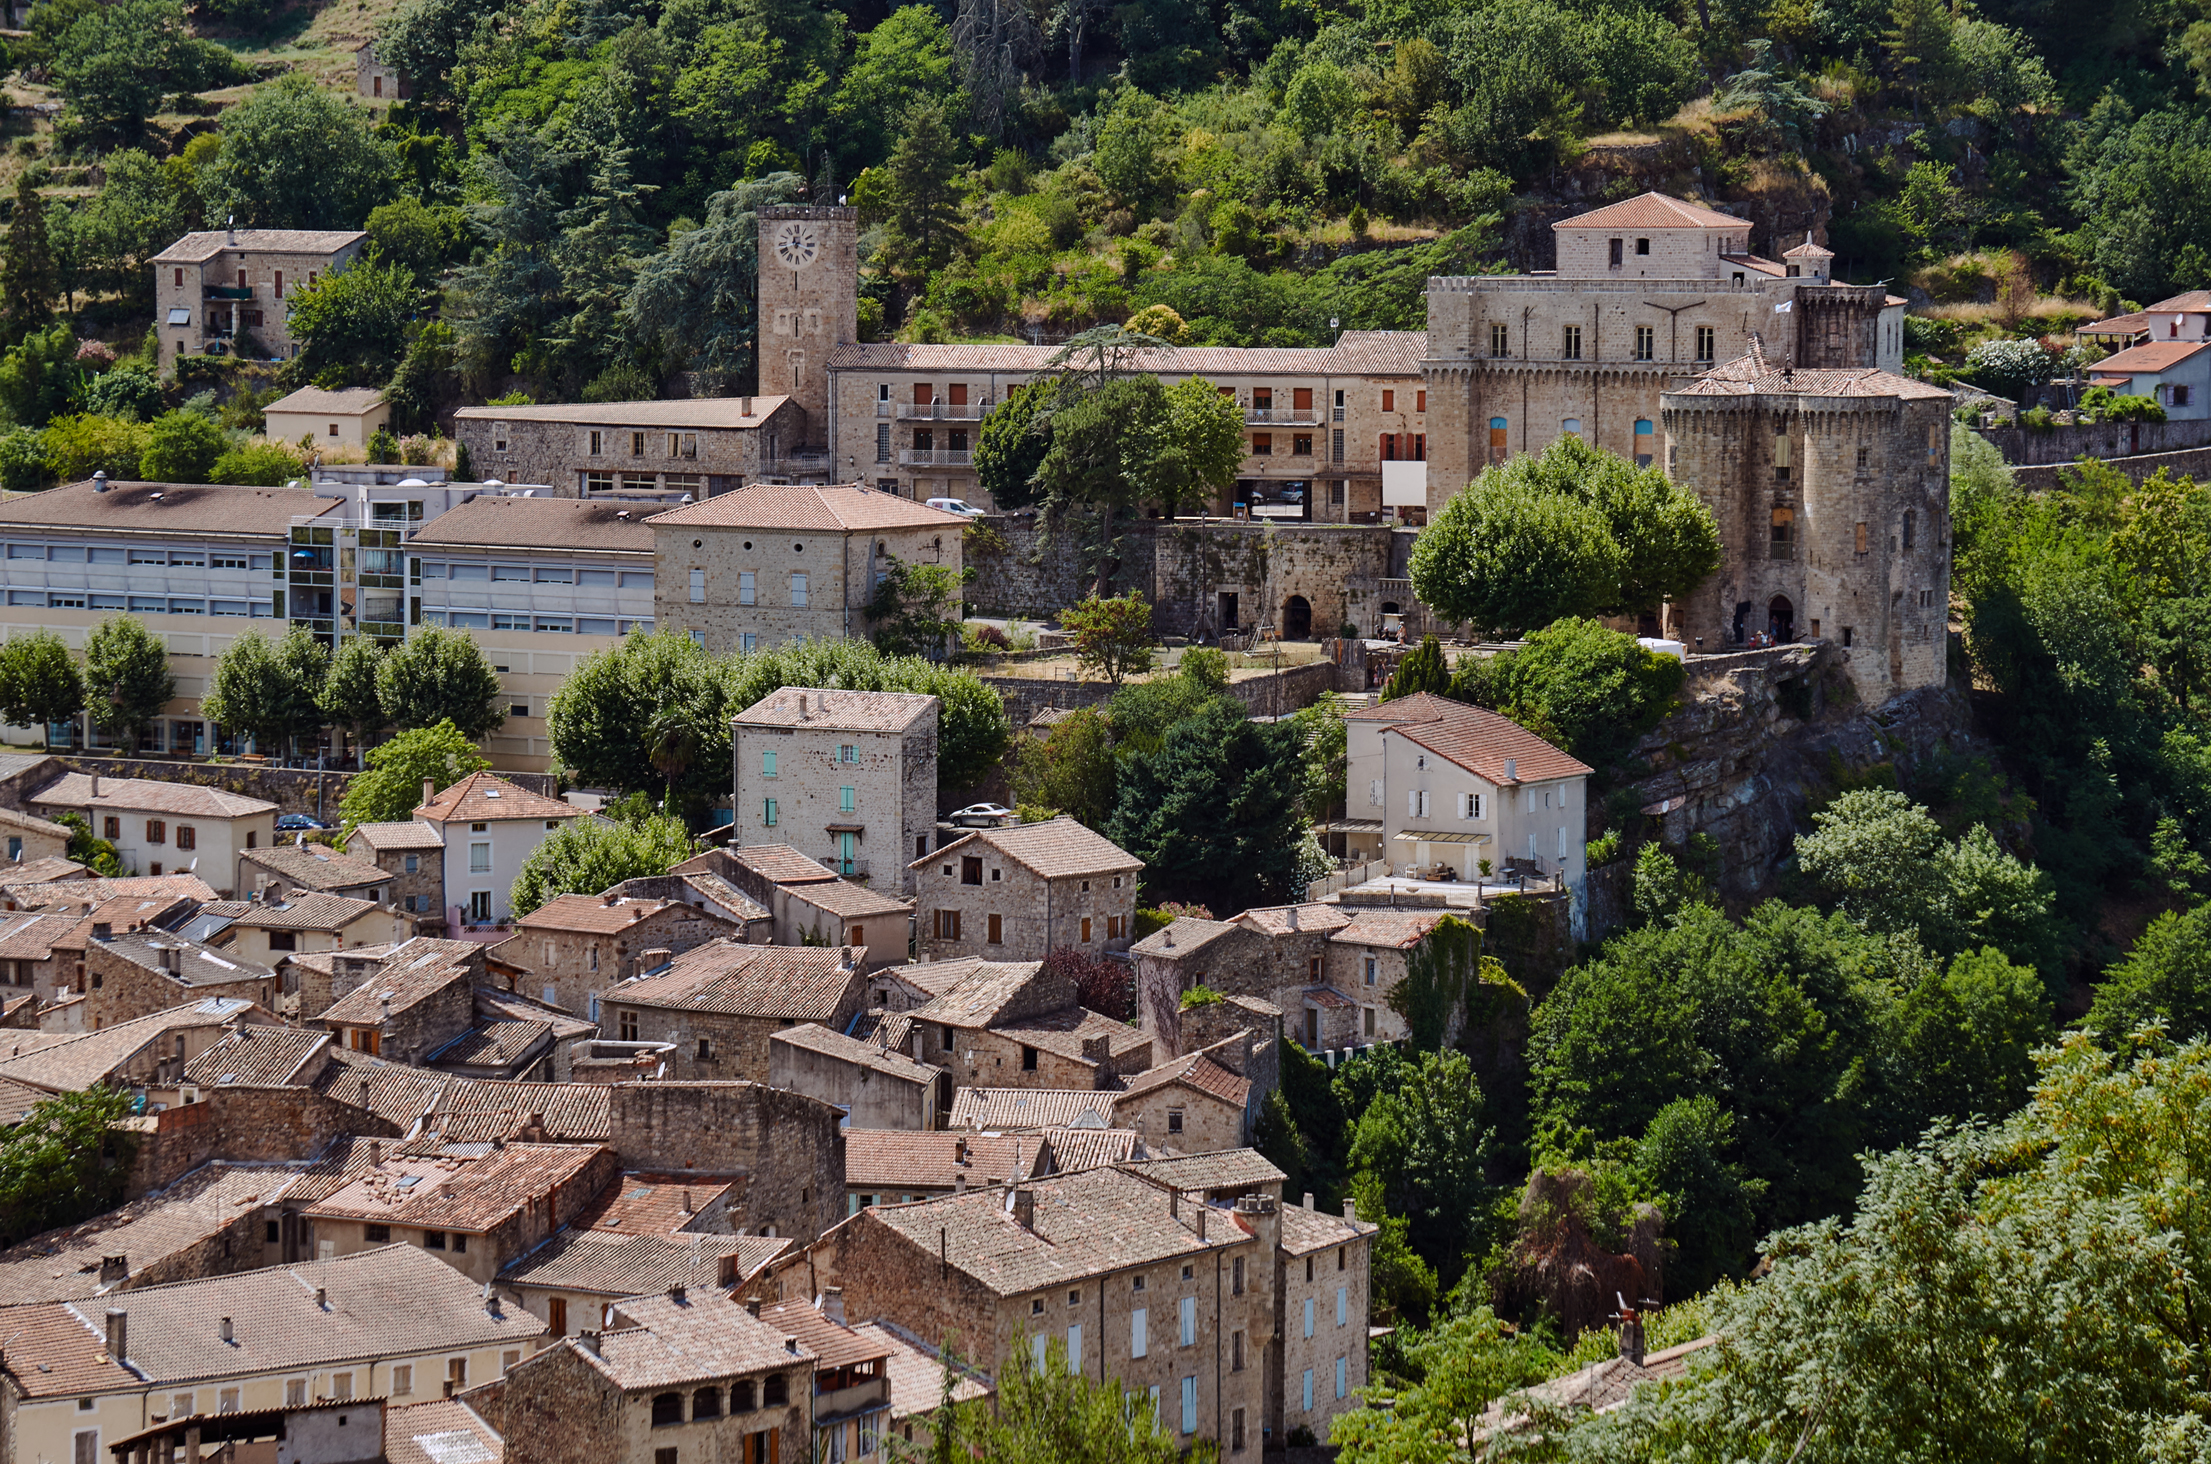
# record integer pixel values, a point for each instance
(429, 790)
(802, 712)
(230, 229)
(222, 1329)
(114, 1268)
(1308, 1199)
(589, 1342)
(376, 1157)
(99, 484)
(118, 1325)
(172, 959)
(610, 898)
(790, 1345)
(322, 1298)
(959, 1184)
(832, 1303)
(1512, 770)
(686, 1202)
(846, 963)
(1174, 1204)
(1351, 1211)
(959, 1149)
(656, 957)
(1024, 1208)
(95, 785)
(675, 1294)
(752, 1307)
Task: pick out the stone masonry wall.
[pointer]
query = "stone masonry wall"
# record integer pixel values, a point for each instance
(245, 1123)
(2192, 462)
(788, 1144)
(292, 790)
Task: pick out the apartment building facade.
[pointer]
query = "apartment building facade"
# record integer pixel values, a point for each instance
(222, 288)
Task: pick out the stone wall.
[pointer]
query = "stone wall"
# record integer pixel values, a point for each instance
(1037, 577)
(2189, 463)
(292, 790)
(2061, 446)
(1277, 693)
(788, 1144)
(244, 1123)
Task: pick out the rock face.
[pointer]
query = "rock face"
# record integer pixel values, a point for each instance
(1763, 734)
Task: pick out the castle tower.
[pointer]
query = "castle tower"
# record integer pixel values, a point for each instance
(809, 301)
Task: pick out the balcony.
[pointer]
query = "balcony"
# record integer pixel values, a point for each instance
(941, 411)
(228, 292)
(941, 457)
(862, 1395)
(1284, 416)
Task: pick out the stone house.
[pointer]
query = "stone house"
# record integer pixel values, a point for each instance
(792, 887)
(721, 1002)
(373, 79)
(1147, 1289)
(417, 998)
(476, 1215)
(878, 1087)
(752, 922)
(209, 1222)
(30, 838)
(1018, 893)
(763, 565)
(389, 1324)
(283, 926)
(576, 946)
(214, 287)
(575, 1280)
(1366, 961)
(684, 1377)
(345, 418)
(830, 767)
(140, 973)
(488, 827)
(32, 953)
(894, 1167)
(287, 1057)
(1017, 1024)
(304, 866)
(840, 912)
(411, 855)
(852, 1380)
(157, 827)
(697, 446)
(1190, 1104)
(1832, 493)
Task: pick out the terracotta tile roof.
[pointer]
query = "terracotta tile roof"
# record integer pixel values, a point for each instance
(835, 1344)
(985, 990)
(1375, 352)
(2149, 356)
(1029, 1108)
(803, 983)
(613, 1264)
(903, 1159)
(314, 867)
(85, 1058)
(648, 1204)
(876, 1026)
(916, 1372)
(1072, 1149)
(441, 1431)
(18, 1099)
(779, 864)
(676, 412)
(939, 977)
(849, 901)
(1653, 211)
(1196, 1071)
(837, 509)
(1394, 928)
(890, 1062)
(703, 1337)
(452, 1194)
(1223, 1169)
(205, 244)
(2187, 300)
(306, 910)
(1479, 740)
(145, 795)
(393, 1092)
(1295, 919)
(514, 1006)
(481, 797)
(44, 871)
(1752, 376)
(838, 711)
(195, 510)
(348, 401)
(53, 1353)
(1063, 1033)
(479, 1109)
(257, 1057)
(1808, 250)
(590, 914)
(16, 819)
(415, 970)
(411, 834)
(597, 525)
(1305, 1231)
(1058, 848)
(492, 1044)
(1327, 998)
(1761, 266)
(61, 1265)
(1086, 1224)
(1182, 937)
(32, 937)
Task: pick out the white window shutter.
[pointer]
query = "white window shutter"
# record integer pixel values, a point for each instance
(1374, 792)
(1412, 804)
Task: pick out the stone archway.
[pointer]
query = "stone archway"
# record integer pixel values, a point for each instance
(1297, 618)
(1781, 619)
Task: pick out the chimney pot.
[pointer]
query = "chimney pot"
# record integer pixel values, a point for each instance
(99, 482)
(790, 1345)
(1308, 1199)
(429, 789)
(376, 1150)
(223, 1329)
(118, 1323)
(1351, 1211)
(1024, 1208)
(322, 1298)
(752, 1307)
(675, 1294)
(1512, 770)
(95, 785)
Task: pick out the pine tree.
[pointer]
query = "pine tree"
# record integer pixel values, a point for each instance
(30, 278)
(923, 230)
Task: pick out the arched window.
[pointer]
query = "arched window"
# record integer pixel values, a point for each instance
(667, 1409)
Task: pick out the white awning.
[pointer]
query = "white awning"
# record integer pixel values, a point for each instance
(180, 315)
(1409, 837)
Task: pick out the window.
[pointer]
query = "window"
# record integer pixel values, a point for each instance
(498, 437)
(187, 837)
(627, 1025)
(1911, 525)
(740, 1397)
(767, 812)
(637, 444)
(1420, 401)
(156, 831)
(283, 940)
(848, 752)
(1174, 1120)
(1139, 1340)
(181, 1406)
(1236, 1273)
(1707, 343)
(1614, 248)
(1308, 1317)
(1114, 924)
(226, 1401)
(1074, 1348)
(698, 587)
(85, 1445)
(403, 1376)
(706, 1403)
(971, 869)
(665, 1456)
(1262, 444)
(1308, 1394)
(1189, 1317)
(341, 1385)
(1372, 967)
(1190, 1404)
(1301, 444)
(1570, 346)
(798, 589)
(295, 1392)
(1236, 1423)
(1343, 1304)
(479, 907)
(948, 925)
(667, 1409)
(747, 594)
(433, 1240)
(1646, 342)
(1782, 545)
(1499, 341)
(996, 936)
(1236, 1351)
(1861, 535)
(479, 858)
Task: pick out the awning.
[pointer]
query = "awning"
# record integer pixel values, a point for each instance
(1409, 837)
(1349, 826)
(180, 315)
(1327, 998)
(846, 828)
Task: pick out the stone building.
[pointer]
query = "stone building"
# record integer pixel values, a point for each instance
(762, 565)
(894, 1166)
(1139, 1284)
(373, 79)
(1832, 492)
(284, 925)
(142, 973)
(878, 1086)
(411, 855)
(417, 997)
(304, 866)
(576, 946)
(1017, 1024)
(159, 826)
(686, 1377)
(487, 827)
(212, 288)
(809, 304)
(700, 446)
(720, 1003)
(830, 767)
(26, 839)
(1018, 893)
(575, 1279)
(1648, 293)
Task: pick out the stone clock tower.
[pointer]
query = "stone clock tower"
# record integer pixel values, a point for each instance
(809, 301)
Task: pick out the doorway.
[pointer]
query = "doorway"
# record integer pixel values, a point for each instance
(1228, 610)
(1742, 621)
(1297, 618)
(1781, 620)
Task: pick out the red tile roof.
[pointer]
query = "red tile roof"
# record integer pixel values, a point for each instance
(481, 797)
(456, 1194)
(1058, 848)
(900, 1159)
(591, 914)
(803, 983)
(834, 509)
(838, 711)
(1196, 1071)
(1396, 928)
(1653, 211)
(651, 1204)
(1753, 376)
(2148, 357)
(147, 795)
(1478, 740)
(2119, 325)
(777, 863)
(2188, 300)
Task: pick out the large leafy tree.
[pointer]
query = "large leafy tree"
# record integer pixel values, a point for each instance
(1070, 769)
(1012, 443)
(1215, 814)
(587, 855)
(181, 447)
(1464, 1364)
(269, 690)
(354, 321)
(389, 790)
(1111, 637)
(39, 376)
(1420, 1152)
(1592, 690)
(438, 675)
(297, 155)
(349, 697)
(127, 679)
(39, 681)
(64, 1162)
(30, 277)
(650, 713)
(112, 63)
(2165, 980)
(697, 300)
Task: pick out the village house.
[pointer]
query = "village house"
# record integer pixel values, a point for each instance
(209, 1222)
(29, 839)
(139, 974)
(878, 1087)
(695, 446)
(897, 1167)
(720, 1003)
(1017, 1024)
(276, 929)
(686, 1377)
(33, 952)
(160, 827)
(699, 884)
(411, 857)
(146, 1056)
(304, 866)
(575, 1280)
(416, 998)
(487, 827)
(576, 946)
(851, 1405)
(1018, 893)
(223, 291)
(1194, 1103)
(801, 896)
(287, 1057)
(347, 418)
(476, 1215)
(393, 1323)
(830, 767)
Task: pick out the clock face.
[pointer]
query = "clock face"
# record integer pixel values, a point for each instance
(796, 245)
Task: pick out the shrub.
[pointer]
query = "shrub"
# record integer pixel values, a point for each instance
(2008, 368)
(382, 446)
(258, 465)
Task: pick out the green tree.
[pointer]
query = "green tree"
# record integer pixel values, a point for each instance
(354, 320)
(297, 155)
(1592, 690)
(65, 1161)
(650, 713)
(440, 676)
(128, 392)
(95, 854)
(269, 690)
(1423, 669)
(30, 279)
(349, 697)
(424, 239)
(1215, 816)
(921, 230)
(1961, 1039)
(181, 447)
(40, 376)
(1198, 447)
(1509, 557)
(1464, 1364)
(915, 610)
(1069, 770)
(906, 58)
(23, 465)
(1013, 441)
(1423, 1144)
(112, 64)
(1326, 736)
(2165, 979)
(79, 446)
(1111, 637)
(390, 789)
(259, 465)
(586, 855)
(127, 679)
(141, 208)
(1711, 1205)
(697, 299)
(1056, 1414)
(39, 681)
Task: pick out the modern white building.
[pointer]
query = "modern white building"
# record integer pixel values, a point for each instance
(166, 828)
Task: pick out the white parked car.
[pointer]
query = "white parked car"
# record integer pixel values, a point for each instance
(982, 815)
(955, 505)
